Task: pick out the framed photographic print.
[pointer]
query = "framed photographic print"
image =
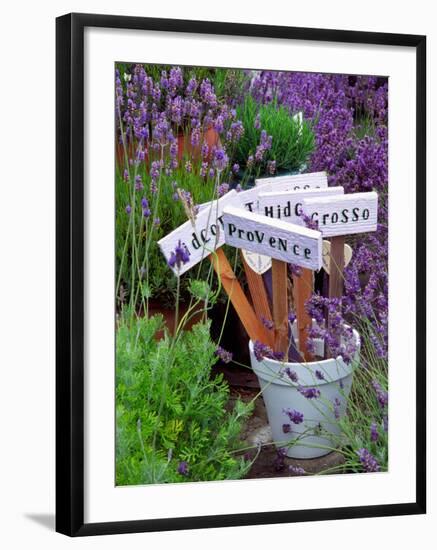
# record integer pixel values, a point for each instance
(240, 274)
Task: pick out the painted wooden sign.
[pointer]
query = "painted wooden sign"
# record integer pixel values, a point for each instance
(275, 238)
(314, 180)
(200, 238)
(343, 214)
(287, 205)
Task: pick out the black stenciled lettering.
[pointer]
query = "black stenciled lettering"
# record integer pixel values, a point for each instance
(355, 214)
(334, 217)
(241, 233)
(344, 215)
(195, 242)
(231, 229)
(268, 211)
(259, 236)
(272, 242)
(296, 249)
(282, 244)
(307, 252)
(324, 218)
(250, 236)
(366, 214)
(203, 235)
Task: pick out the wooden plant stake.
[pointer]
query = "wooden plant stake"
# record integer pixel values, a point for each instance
(257, 291)
(280, 305)
(338, 216)
(302, 291)
(336, 266)
(253, 326)
(284, 243)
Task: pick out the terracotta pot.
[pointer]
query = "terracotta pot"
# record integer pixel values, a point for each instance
(210, 137)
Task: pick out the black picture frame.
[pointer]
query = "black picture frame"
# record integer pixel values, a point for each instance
(70, 272)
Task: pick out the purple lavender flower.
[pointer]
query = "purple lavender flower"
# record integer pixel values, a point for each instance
(291, 374)
(385, 423)
(336, 407)
(286, 428)
(144, 203)
(220, 160)
(309, 393)
(295, 416)
(235, 168)
(179, 256)
(373, 432)
(225, 356)
(368, 461)
(279, 462)
(156, 222)
(183, 468)
(296, 470)
(128, 209)
(222, 189)
(262, 351)
(257, 123)
(267, 323)
(381, 395)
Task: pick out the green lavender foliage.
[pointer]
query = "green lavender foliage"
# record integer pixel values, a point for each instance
(292, 141)
(169, 408)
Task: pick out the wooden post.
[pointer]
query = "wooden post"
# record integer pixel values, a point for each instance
(336, 266)
(302, 291)
(257, 290)
(280, 305)
(253, 326)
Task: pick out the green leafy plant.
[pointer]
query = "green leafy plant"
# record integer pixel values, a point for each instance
(292, 137)
(173, 419)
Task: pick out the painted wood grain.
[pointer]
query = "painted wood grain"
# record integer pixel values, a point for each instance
(253, 326)
(302, 291)
(259, 297)
(280, 305)
(275, 238)
(200, 238)
(336, 266)
(313, 180)
(344, 214)
(287, 205)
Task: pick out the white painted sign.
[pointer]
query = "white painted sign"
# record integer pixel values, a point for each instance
(257, 262)
(274, 238)
(202, 238)
(314, 180)
(344, 214)
(287, 205)
(326, 254)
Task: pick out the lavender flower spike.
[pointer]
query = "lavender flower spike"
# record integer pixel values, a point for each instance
(368, 461)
